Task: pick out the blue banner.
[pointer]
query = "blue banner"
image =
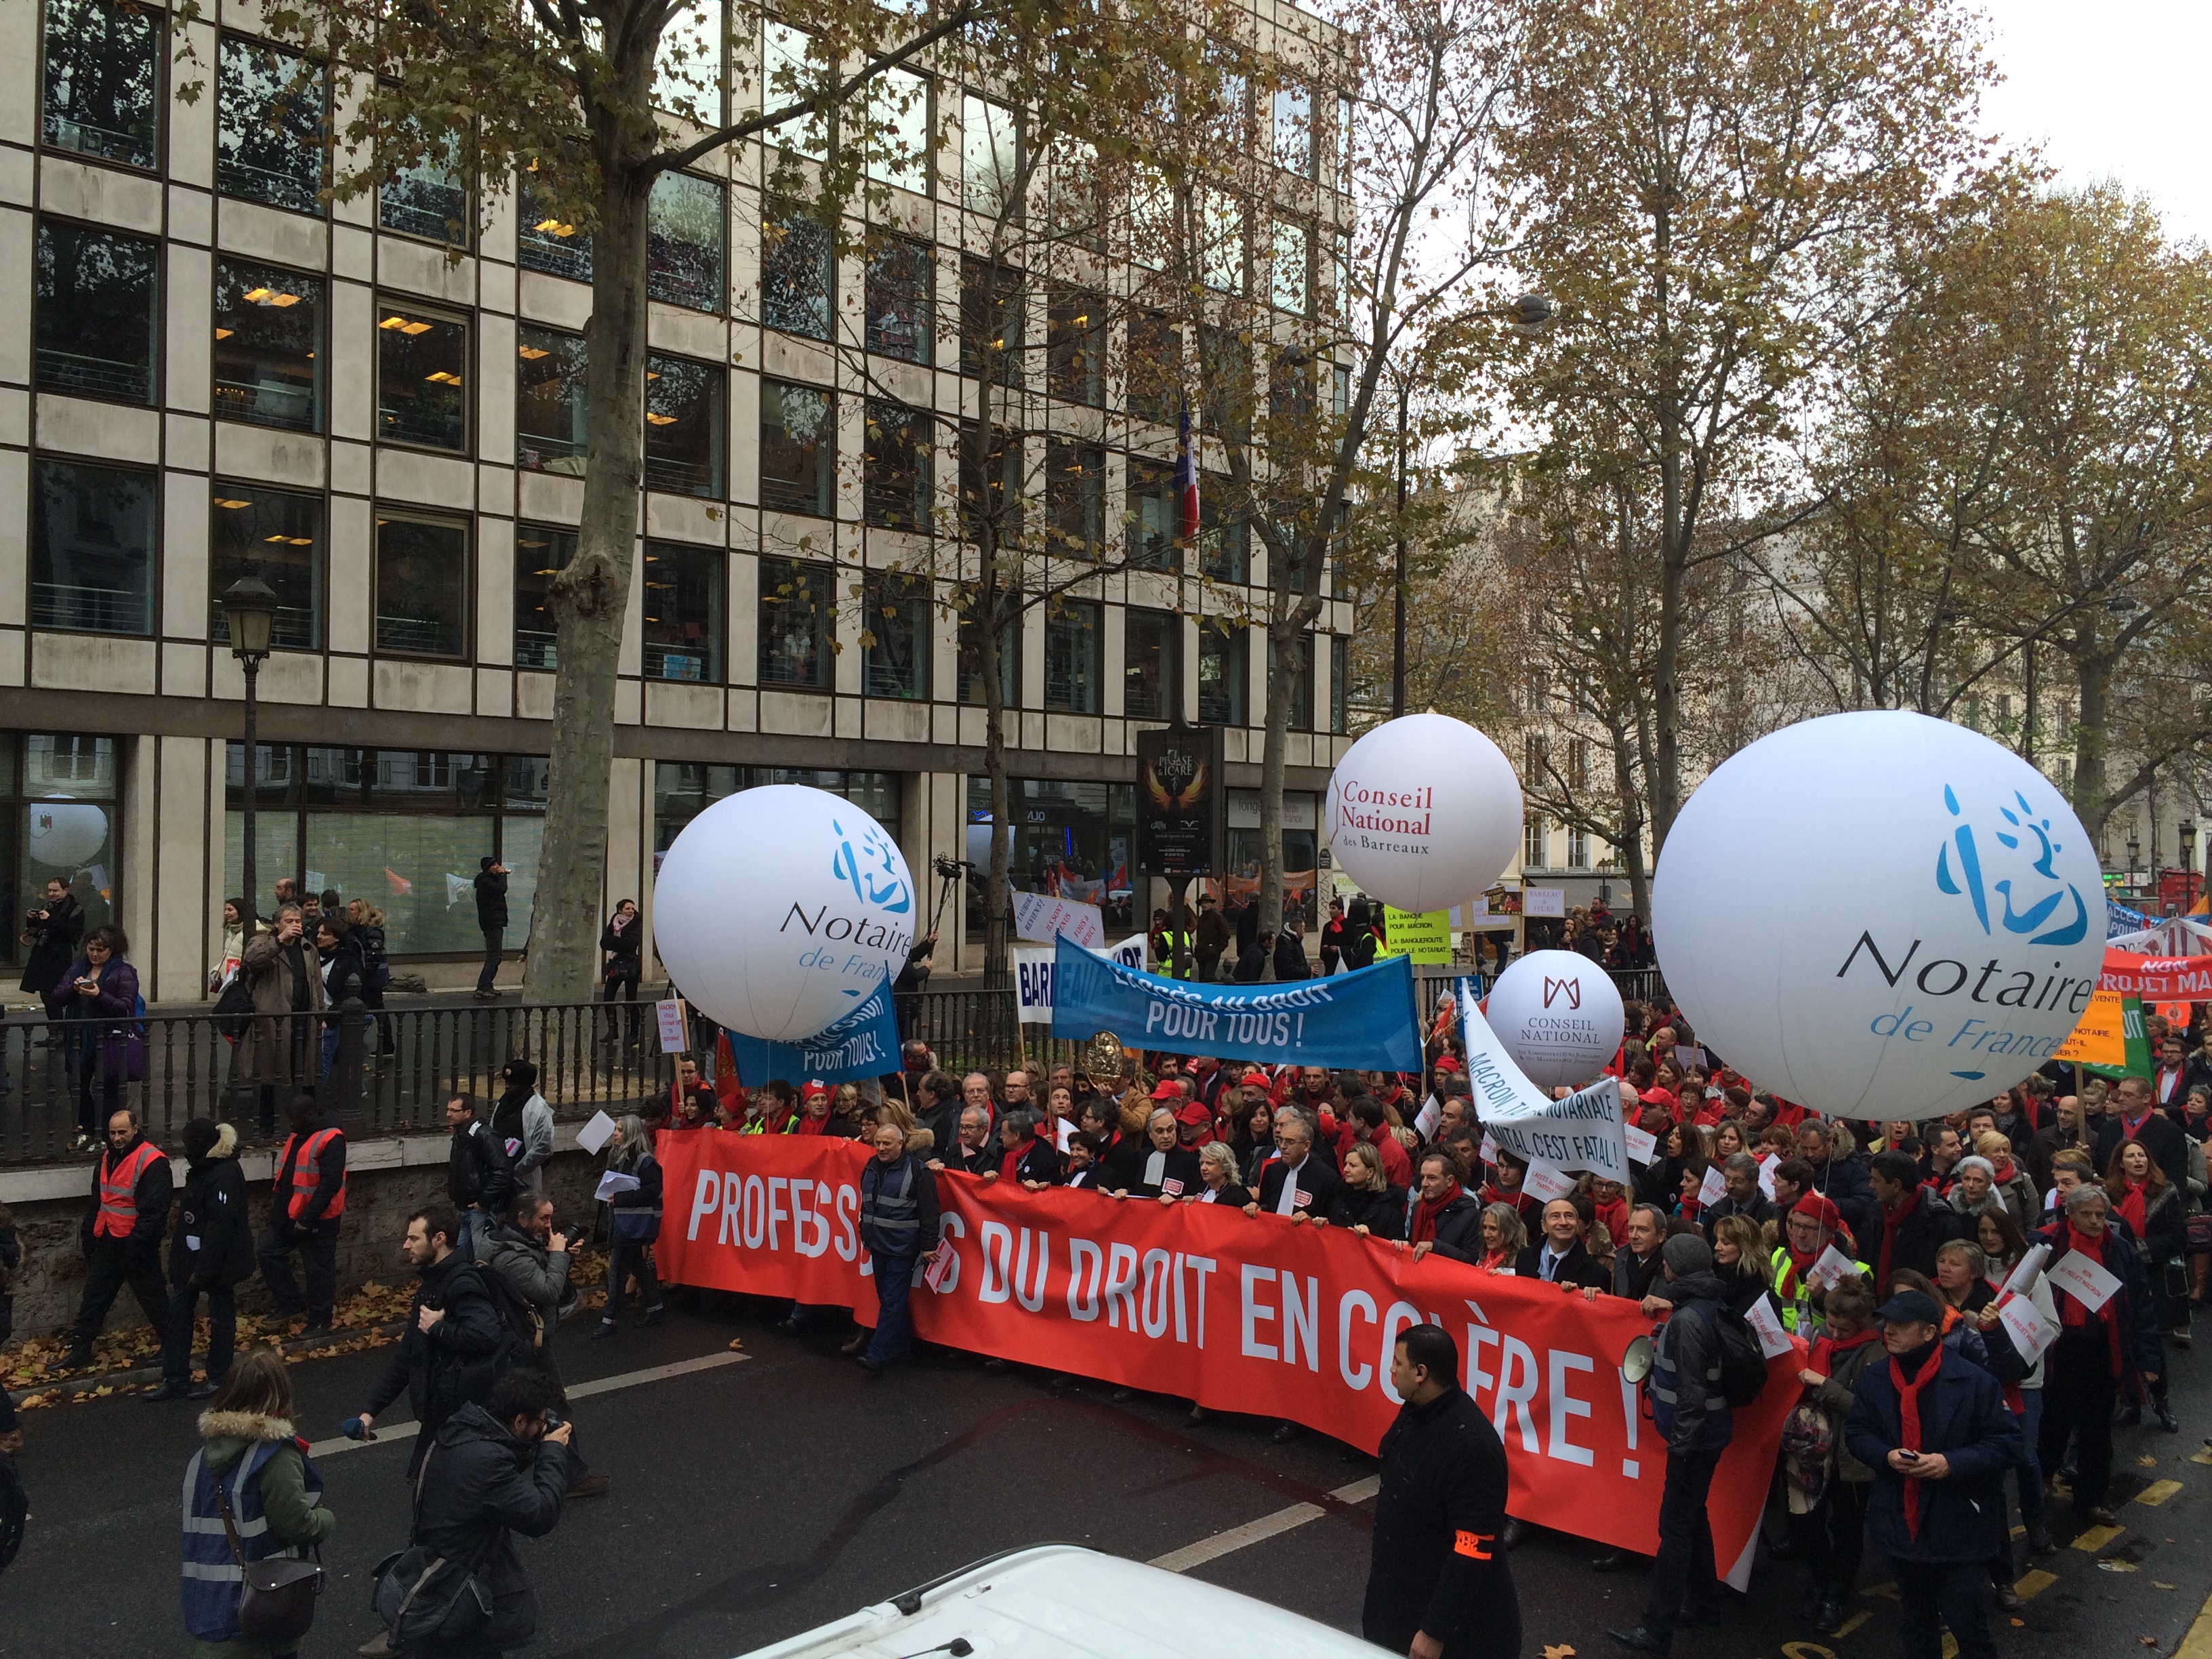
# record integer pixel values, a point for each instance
(862, 1043)
(1364, 1018)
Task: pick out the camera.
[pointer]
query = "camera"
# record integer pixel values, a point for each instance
(949, 868)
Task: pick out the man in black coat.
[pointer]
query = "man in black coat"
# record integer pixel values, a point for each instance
(1740, 1175)
(131, 1192)
(209, 1252)
(1441, 1215)
(455, 1344)
(1300, 1183)
(1439, 1584)
(1911, 1222)
(2135, 1116)
(493, 1470)
(479, 1180)
(1561, 1257)
(491, 920)
(54, 932)
(1638, 1268)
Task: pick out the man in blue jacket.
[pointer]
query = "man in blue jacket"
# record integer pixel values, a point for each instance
(1936, 1433)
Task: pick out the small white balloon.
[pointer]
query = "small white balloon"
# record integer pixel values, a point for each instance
(64, 834)
(1880, 916)
(1558, 1015)
(780, 909)
(1424, 812)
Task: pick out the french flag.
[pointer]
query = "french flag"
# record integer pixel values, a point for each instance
(1186, 481)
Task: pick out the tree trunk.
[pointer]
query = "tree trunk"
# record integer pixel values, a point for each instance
(2092, 676)
(1282, 649)
(591, 597)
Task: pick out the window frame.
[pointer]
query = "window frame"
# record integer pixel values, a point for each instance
(1233, 646)
(776, 231)
(720, 304)
(1058, 620)
(528, 336)
(555, 534)
(825, 501)
(386, 309)
(254, 43)
(156, 344)
(221, 492)
(819, 575)
(1171, 667)
(320, 357)
(714, 562)
(874, 431)
(921, 255)
(157, 141)
(1081, 488)
(465, 626)
(904, 590)
(716, 486)
(151, 478)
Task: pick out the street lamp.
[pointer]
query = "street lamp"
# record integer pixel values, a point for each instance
(2134, 848)
(249, 606)
(2187, 831)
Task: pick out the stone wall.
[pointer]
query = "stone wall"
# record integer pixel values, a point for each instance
(387, 1180)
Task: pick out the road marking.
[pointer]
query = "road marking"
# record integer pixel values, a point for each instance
(2034, 1582)
(2097, 1537)
(399, 1432)
(2197, 1645)
(2204, 1457)
(1850, 1625)
(2157, 1492)
(1232, 1539)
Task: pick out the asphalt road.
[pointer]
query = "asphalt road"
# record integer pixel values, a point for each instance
(754, 1498)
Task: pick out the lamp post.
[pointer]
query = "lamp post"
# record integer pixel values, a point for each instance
(249, 606)
(2134, 848)
(2187, 831)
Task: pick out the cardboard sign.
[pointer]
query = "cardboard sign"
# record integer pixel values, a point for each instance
(1426, 1120)
(1544, 901)
(1545, 1181)
(613, 1184)
(597, 1132)
(2030, 1331)
(2084, 1280)
(1044, 918)
(1773, 1340)
(675, 1034)
(1715, 1188)
(1766, 1175)
(1642, 1144)
(1831, 1267)
(1423, 935)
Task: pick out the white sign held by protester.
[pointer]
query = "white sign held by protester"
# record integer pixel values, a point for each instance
(1830, 1268)
(1543, 901)
(1642, 1144)
(1773, 1340)
(2030, 1331)
(1714, 1188)
(1042, 917)
(674, 1038)
(1033, 975)
(597, 1132)
(1546, 1181)
(2022, 1280)
(2087, 1281)
(1586, 1131)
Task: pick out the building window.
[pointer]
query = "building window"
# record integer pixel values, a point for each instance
(98, 296)
(991, 304)
(269, 127)
(1225, 539)
(422, 378)
(684, 443)
(428, 196)
(684, 789)
(1075, 498)
(404, 829)
(798, 449)
(1074, 652)
(1225, 370)
(990, 484)
(1535, 844)
(1294, 129)
(895, 466)
(546, 239)
(895, 634)
(792, 66)
(267, 347)
(685, 611)
(1292, 258)
(1223, 680)
(1339, 391)
(797, 275)
(1578, 851)
(104, 79)
(1075, 346)
(1535, 760)
(795, 622)
(1152, 516)
(969, 648)
(902, 281)
(1579, 763)
(900, 153)
(1152, 665)
(1155, 370)
(1339, 682)
(278, 537)
(92, 561)
(541, 553)
(990, 157)
(550, 405)
(422, 587)
(57, 823)
(688, 70)
(1072, 840)
(685, 228)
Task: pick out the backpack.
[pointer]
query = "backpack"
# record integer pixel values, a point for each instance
(234, 1009)
(455, 1382)
(376, 960)
(1743, 1362)
(524, 1325)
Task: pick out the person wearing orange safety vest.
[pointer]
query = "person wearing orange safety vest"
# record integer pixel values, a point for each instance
(131, 1192)
(307, 1199)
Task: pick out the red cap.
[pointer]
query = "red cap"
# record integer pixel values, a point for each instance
(1196, 1112)
(1448, 1063)
(815, 1087)
(1255, 1075)
(1166, 1090)
(1821, 1209)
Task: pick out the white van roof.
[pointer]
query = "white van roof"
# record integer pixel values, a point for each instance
(1057, 1602)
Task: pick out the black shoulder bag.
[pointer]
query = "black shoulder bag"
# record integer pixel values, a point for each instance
(277, 1598)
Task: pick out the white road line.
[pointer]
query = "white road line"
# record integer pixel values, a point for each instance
(401, 1432)
(1232, 1539)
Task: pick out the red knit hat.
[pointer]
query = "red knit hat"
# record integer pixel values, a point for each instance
(1822, 1209)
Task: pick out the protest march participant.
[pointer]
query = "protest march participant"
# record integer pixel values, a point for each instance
(2099, 1352)
(1299, 1183)
(1368, 1204)
(1826, 1487)
(1911, 1221)
(898, 1224)
(1638, 1265)
(1562, 1257)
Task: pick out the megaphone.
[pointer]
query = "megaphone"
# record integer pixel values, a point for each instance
(1635, 1363)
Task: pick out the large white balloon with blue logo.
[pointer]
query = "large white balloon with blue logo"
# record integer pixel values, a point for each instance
(1880, 916)
(779, 910)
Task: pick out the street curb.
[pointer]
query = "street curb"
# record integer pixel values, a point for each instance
(75, 1388)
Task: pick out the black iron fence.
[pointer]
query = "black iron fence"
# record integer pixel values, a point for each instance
(380, 1072)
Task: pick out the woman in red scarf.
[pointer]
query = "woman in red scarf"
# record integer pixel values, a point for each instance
(2152, 1208)
(2101, 1351)
(1610, 1201)
(1828, 1504)
(1503, 1238)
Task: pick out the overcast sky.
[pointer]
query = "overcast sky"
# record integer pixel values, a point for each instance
(2111, 89)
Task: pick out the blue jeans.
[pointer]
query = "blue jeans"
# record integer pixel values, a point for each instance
(894, 1335)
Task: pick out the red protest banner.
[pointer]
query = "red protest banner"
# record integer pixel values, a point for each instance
(1242, 1314)
(2157, 979)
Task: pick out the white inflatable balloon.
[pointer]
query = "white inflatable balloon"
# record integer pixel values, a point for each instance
(1880, 916)
(1424, 812)
(63, 835)
(1558, 1014)
(779, 908)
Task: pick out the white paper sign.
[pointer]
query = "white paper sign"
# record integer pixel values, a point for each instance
(2030, 1331)
(1426, 1120)
(613, 1183)
(1766, 1175)
(1832, 1268)
(1488, 1152)
(940, 1271)
(597, 1132)
(2085, 1280)
(1715, 1188)
(1033, 967)
(1642, 1144)
(2023, 1277)
(1544, 901)
(1040, 916)
(1773, 1340)
(1545, 1181)
(675, 1039)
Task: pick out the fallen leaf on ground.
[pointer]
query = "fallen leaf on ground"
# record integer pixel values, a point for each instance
(1561, 1652)
(2147, 1461)
(2148, 1641)
(2118, 1567)
(2020, 1623)
(2156, 1584)
(735, 1345)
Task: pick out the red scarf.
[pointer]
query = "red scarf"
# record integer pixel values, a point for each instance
(1615, 1218)
(2075, 1315)
(1892, 1220)
(2131, 1205)
(1520, 1202)
(806, 1124)
(1908, 1412)
(1824, 1351)
(1421, 1229)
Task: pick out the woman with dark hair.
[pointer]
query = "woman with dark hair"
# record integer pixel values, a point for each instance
(1252, 1137)
(623, 940)
(224, 968)
(2151, 1206)
(368, 924)
(339, 961)
(633, 1226)
(103, 993)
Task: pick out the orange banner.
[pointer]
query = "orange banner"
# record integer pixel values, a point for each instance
(1243, 1314)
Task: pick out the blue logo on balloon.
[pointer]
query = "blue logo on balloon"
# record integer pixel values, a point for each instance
(2028, 838)
(872, 870)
